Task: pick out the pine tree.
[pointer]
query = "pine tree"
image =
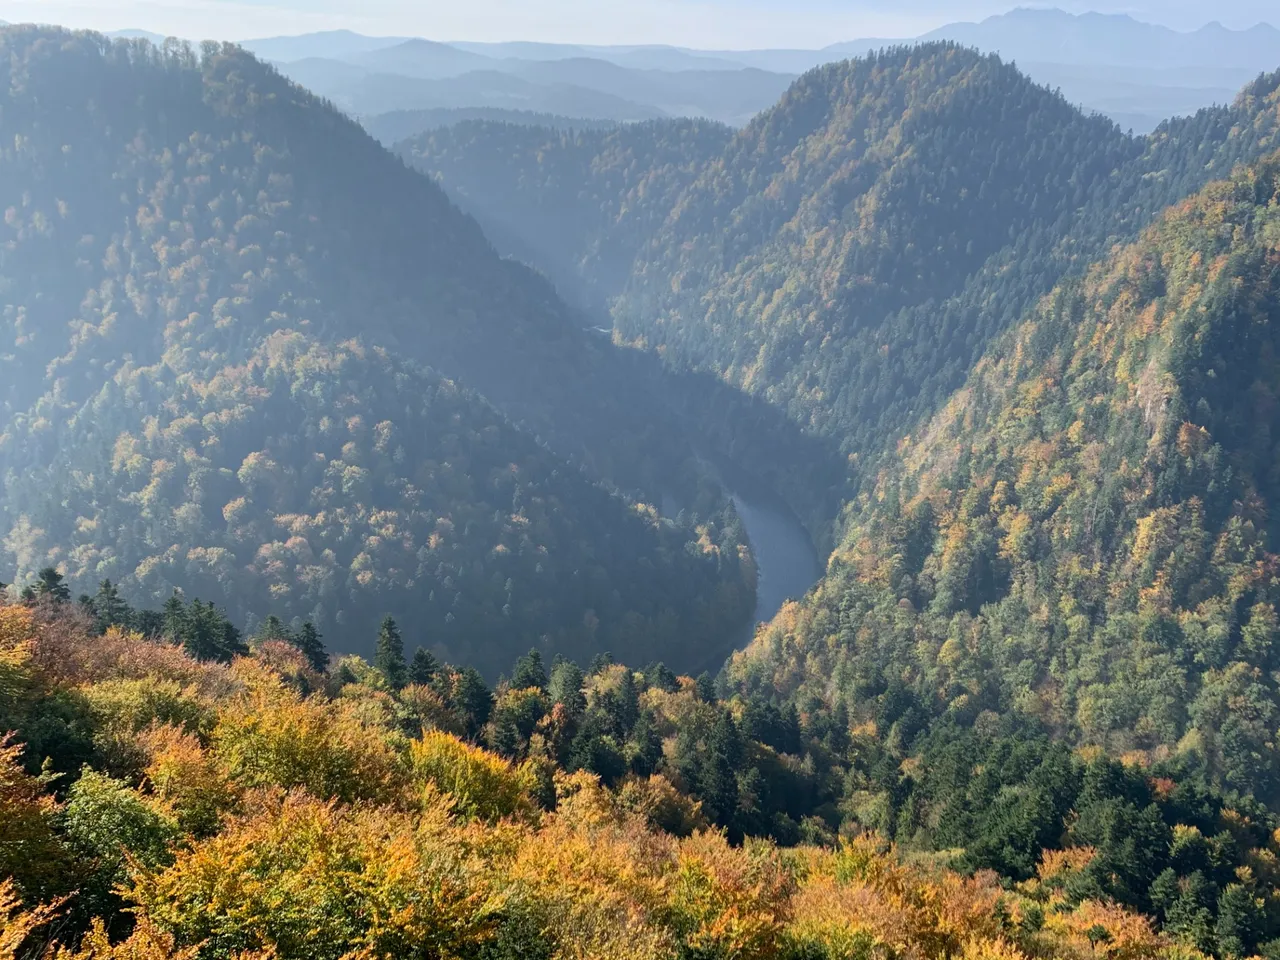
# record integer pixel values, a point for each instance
(628, 702)
(717, 778)
(1240, 919)
(424, 667)
(644, 749)
(49, 584)
(175, 618)
(389, 659)
(273, 629)
(661, 676)
(109, 608)
(566, 687)
(472, 699)
(203, 630)
(529, 672)
(308, 641)
(504, 736)
(706, 688)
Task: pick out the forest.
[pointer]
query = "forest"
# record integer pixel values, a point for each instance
(234, 372)
(855, 250)
(355, 581)
(271, 802)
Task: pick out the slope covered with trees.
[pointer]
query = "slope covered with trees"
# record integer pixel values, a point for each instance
(854, 252)
(1081, 546)
(187, 242)
(334, 484)
(265, 809)
(577, 204)
(851, 254)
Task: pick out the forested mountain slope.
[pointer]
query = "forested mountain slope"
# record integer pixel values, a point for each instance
(170, 222)
(856, 248)
(851, 254)
(1081, 545)
(577, 204)
(267, 809)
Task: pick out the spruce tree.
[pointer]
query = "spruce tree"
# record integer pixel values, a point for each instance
(49, 583)
(566, 687)
(273, 629)
(308, 641)
(389, 659)
(717, 778)
(471, 698)
(109, 609)
(706, 688)
(529, 672)
(423, 668)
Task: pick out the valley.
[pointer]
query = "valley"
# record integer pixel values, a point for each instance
(565, 501)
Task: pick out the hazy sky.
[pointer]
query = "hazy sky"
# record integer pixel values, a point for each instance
(705, 23)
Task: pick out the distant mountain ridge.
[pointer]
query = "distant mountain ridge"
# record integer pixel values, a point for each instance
(331, 44)
(1137, 73)
(398, 125)
(835, 258)
(1115, 39)
(1134, 72)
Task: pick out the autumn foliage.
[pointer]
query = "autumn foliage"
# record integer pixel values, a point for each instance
(253, 820)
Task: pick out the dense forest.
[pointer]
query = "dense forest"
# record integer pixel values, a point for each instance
(577, 204)
(1079, 550)
(399, 125)
(207, 274)
(287, 806)
(852, 253)
(300, 459)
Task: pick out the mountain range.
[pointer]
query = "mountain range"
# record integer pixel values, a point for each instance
(269, 389)
(1136, 73)
(232, 362)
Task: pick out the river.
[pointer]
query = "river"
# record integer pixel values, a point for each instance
(787, 562)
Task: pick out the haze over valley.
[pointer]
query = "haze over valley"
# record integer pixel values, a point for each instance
(486, 499)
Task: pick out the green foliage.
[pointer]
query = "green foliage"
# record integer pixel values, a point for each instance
(276, 441)
(114, 832)
(853, 252)
(479, 784)
(579, 204)
(389, 656)
(203, 631)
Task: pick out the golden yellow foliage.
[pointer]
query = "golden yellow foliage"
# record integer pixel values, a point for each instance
(727, 901)
(18, 924)
(17, 626)
(1103, 931)
(31, 855)
(186, 779)
(482, 784)
(314, 880)
(273, 737)
(663, 806)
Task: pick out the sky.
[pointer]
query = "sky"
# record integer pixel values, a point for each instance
(710, 24)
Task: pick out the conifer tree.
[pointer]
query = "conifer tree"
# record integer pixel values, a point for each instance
(529, 672)
(308, 641)
(49, 583)
(566, 687)
(109, 608)
(273, 628)
(424, 667)
(718, 782)
(473, 700)
(389, 659)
